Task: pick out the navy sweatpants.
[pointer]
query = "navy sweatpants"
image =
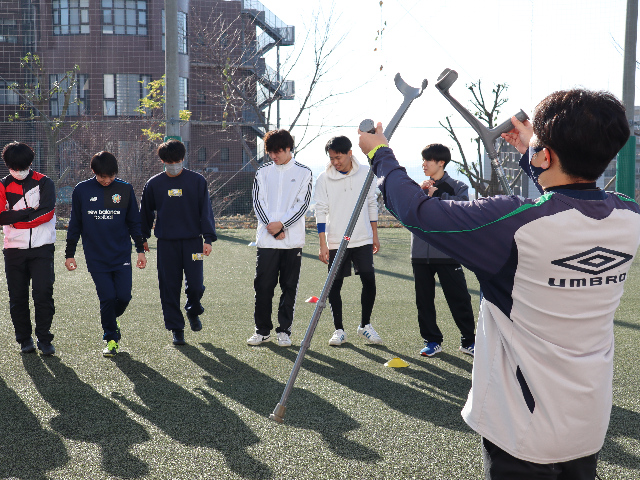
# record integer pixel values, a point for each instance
(114, 293)
(178, 259)
(35, 266)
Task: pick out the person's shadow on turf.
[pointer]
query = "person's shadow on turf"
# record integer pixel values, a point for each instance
(189, 419)
(253, 389)
(28, 450)
(404, 399)
(624, 424)
(85, 415)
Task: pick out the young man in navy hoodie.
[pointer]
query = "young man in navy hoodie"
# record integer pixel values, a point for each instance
(104, 211)
(178, 200)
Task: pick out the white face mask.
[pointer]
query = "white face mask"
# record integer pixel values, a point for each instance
(173, 168)
(19, 174)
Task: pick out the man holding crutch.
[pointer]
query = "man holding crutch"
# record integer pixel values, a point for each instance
(552, 272)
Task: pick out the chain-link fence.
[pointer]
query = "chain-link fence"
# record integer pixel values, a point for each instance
(66, 159)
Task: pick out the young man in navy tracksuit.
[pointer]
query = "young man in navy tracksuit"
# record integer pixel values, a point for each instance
(178, 200)
(27, 213)
(104, 211)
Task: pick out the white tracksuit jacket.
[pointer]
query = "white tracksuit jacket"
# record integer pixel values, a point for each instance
(281, 193)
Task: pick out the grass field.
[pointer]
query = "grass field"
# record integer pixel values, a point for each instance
(201, 411)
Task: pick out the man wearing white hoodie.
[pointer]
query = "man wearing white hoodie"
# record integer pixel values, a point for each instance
(336, 194)
(281, 195)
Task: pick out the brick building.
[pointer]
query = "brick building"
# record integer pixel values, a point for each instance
(118, 48)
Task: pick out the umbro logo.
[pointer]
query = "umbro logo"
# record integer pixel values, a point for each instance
(594, 261)
(93, 199)
(293, 179)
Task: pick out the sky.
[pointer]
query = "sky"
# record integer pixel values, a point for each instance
(534, 47)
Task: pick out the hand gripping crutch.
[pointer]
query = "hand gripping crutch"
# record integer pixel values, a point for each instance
(410, 94)
(488, 136)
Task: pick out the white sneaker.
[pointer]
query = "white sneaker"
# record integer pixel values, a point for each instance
(257, 339)
(369, 334)
(283, 339)
(338, 338)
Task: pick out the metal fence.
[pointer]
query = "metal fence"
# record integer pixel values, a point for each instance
(65, 157)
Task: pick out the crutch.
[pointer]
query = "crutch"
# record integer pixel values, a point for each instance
(488, 136)
(410, 94)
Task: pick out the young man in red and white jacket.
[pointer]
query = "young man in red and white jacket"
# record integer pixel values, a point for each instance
(27, 213)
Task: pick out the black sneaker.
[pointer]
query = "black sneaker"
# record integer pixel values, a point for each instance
(27, 346)
(178, 337)
(195, 322)
(46, 348)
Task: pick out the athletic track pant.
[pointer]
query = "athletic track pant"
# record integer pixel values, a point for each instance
(35, 266)
(177, 260)
(114, 293)
(454, 287)
(275, 265)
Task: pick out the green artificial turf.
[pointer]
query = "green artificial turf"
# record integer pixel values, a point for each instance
(201, 411)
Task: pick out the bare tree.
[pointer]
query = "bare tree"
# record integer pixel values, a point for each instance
(487, 111)
(36, 94)
(230, 66)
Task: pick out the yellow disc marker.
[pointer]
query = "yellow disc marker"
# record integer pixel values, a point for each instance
(396, 363)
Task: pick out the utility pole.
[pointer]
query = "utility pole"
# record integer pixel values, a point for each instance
(279, 91)
(171, 85)
(625, 166)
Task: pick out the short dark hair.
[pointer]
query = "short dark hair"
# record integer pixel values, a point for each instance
(339, 144)
(276, 140)
(17, 156)
(104, 163)
(585, 128)
(437, 152)
(172, 151)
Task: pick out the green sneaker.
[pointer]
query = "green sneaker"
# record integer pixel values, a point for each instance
(111, 349)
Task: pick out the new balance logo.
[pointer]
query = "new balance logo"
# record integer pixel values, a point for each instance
(93, 199)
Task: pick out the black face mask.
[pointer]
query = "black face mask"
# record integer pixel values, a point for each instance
(535, 171)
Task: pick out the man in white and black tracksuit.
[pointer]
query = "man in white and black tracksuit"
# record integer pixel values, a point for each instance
(427, 262)
(552, 271)
(281, 195)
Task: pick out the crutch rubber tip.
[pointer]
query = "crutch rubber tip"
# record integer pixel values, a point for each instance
(278, 413)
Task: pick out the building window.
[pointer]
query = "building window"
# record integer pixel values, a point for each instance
(122, 94)
(182, 32)
(201, 97)
(78, 99)
(70, 17)
(124, 17)
(183, 92)
(224, 155)
(202, 155)
(8, 96)
(8, 30)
